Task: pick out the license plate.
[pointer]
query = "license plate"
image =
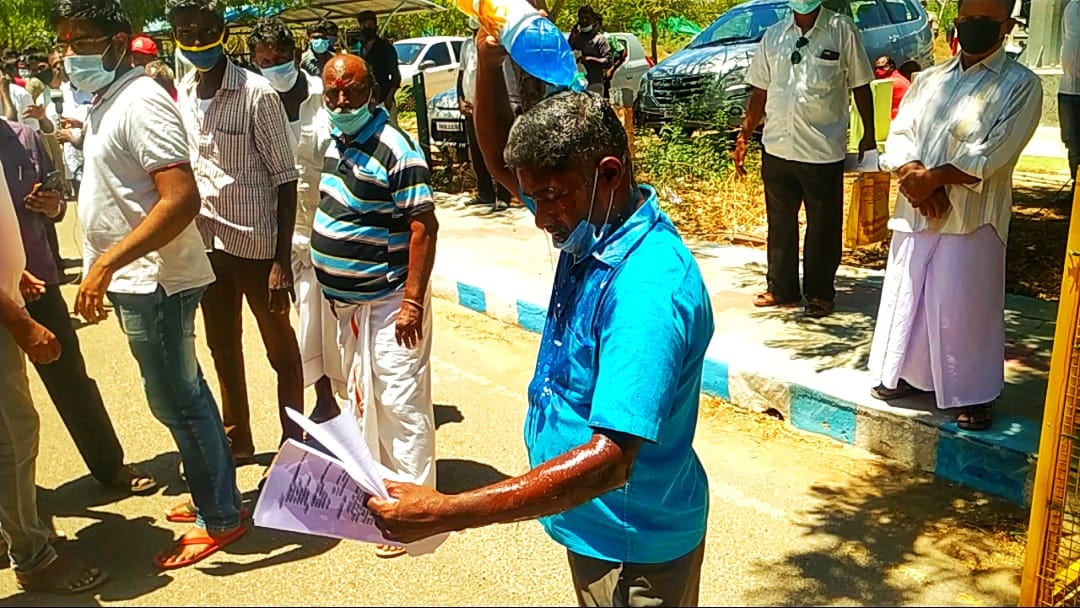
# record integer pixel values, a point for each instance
(448, 126)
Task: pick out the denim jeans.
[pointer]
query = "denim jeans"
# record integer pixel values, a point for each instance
(161, 333)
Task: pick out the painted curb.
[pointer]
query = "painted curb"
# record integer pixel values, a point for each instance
(1001, 462)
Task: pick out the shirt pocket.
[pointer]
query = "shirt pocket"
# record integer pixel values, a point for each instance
(574, 376)
(232, 153)
(826, 94)
(969, 121)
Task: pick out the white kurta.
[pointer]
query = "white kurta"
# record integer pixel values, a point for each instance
(389, 386)
(941, 325)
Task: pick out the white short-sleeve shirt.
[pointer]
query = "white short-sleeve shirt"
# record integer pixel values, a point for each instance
(12, 256)
(806, 112)
(132, 130)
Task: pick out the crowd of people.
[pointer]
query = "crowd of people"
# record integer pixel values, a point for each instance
(290, 184)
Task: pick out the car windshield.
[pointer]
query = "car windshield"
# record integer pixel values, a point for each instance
(741, 24)
(407, 52)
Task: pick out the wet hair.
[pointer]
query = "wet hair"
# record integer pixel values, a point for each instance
(209, 6)
(107, 15)
(566, 131)
(272, 31)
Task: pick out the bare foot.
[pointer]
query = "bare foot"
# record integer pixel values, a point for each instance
(63, 575)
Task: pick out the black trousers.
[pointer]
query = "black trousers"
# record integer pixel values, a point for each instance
(1069, 116)
(788, 184)
(487, 189)
(74, 393)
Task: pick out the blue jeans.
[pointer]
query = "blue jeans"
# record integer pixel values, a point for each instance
(161, 333)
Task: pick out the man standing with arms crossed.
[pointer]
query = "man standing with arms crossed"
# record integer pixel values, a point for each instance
(802, 77)
(238, 135)
(953, 146)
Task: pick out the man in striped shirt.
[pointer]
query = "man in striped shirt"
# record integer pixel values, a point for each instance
(373, 247)
(238, 135)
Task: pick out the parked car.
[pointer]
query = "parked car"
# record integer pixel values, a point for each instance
(438, 57)
(448, 125)
(709, 72)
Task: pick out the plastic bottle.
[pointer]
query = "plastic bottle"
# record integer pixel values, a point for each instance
(533, 41)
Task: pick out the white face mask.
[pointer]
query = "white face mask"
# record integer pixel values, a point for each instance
(282, 77)
(88, 73)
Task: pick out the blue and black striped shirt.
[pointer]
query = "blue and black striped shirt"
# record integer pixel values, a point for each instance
(372, 185)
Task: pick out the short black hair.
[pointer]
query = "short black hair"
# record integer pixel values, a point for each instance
(318, 28)
(366, 15)
(272, 31)
(209, 6)
(106, 15)
(38, 57)
(10, 66)
(566, 131)
(888, 59)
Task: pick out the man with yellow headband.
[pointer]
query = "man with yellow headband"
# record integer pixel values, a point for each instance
(238, 138)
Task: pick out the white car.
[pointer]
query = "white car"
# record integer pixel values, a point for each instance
(438, 57)
(629, 74)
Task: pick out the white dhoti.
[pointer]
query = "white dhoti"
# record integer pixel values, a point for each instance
(318, 334)
(389, 386)
(941, 323)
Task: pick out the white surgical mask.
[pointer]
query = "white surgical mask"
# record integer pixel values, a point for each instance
(88, 73)
(282, 77)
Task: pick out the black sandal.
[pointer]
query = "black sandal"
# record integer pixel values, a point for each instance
(976, 417)
(128, 479)
(817, 309)
(903, 389)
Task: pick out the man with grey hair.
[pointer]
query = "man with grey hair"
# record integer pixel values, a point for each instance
(615, 478)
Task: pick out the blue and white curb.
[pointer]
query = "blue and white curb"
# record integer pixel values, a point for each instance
(1000, 462)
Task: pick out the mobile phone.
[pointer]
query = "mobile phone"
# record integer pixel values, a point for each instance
(52, 182)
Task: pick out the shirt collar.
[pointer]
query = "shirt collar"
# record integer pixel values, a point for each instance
(626, 237)
(231, 81)
(377, 122)
(995, 63)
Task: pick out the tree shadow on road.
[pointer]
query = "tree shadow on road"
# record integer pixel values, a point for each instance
(892, 536)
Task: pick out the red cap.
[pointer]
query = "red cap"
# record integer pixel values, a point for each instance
(144, 45)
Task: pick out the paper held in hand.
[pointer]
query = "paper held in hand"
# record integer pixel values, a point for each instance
(311, 492)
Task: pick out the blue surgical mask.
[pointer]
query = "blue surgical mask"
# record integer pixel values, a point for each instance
(585, 239)
(88, 73)
(282, 77)
(203, 58)
(350, 122)
(804, 7)
(320, 46)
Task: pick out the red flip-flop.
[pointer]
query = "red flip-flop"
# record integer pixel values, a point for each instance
(213, 545)
(188, 516)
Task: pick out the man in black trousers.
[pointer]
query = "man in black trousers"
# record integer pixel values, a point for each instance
(488, 192)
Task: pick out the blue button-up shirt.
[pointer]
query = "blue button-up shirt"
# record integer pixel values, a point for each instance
(622, 350)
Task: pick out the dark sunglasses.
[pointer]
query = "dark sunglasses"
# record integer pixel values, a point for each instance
(796, 56)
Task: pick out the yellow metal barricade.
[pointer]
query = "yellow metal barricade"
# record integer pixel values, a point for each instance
(1052, 568)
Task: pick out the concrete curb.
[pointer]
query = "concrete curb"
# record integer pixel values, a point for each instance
(833, 404)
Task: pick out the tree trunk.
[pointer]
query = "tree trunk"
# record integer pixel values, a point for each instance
(655, 36)
(556, 8)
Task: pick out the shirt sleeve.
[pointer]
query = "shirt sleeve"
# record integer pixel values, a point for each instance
(643, 336)
(856, 61)
(1007, 137)
(272, 138)
(900, 146)
(155, 132)
(410, 184)
(757, 75)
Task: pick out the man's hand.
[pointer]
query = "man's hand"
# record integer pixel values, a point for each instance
(36, 341)
(917, 183)
(31, 287)
(866, 144)
(65, 136)
(488, 50)
(90, 300)
(739, 155)
(413, 513)
(410, 325)
(465, 107)
(936, 206)
(281, 287)
(45, 202)
(35, 112)
(70, 123)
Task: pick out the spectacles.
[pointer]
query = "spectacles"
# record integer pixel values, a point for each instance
(83, 46)
(796, 56)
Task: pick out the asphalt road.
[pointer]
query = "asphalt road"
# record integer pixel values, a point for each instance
(794, 519)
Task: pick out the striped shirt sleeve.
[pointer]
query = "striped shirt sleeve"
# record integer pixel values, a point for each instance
(410, 184)
(272, 138)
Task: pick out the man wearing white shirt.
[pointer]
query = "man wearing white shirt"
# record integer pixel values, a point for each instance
(802, 78)
(1069, 88)
(274, 49)
(953, 146)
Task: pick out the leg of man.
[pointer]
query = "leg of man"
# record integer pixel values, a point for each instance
(278, 338)
(74, 393)
(27, 541)
(823, 187)
(221, 308)
(1069, 118)
(54, 246)
(783, 196)
(317, 337)
(161, 334)
(602, 583)
(966, 318)
(401, 394)
(485, 185)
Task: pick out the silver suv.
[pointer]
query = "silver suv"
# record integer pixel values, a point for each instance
(703, 84)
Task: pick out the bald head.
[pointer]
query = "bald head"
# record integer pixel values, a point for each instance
(348, 83)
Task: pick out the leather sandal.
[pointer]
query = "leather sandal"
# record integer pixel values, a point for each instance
(769, 299)
(976, 417)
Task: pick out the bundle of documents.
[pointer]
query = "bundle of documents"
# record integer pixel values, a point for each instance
(325, 494)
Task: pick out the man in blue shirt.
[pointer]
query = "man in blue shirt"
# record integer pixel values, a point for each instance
(614, 400)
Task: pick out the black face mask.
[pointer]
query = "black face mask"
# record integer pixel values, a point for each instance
(978, 34)
(45, 76)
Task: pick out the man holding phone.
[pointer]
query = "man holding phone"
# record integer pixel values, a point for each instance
(36, 192)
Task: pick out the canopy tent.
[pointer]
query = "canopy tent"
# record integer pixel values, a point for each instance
(317, 10)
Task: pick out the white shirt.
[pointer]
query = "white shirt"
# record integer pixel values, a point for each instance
(977, 120)
(468, 69)
(1070, 49)
(806, 111)
(133, 130)
(76, 105)
(310, 136)
(12, 256)
(22, 99)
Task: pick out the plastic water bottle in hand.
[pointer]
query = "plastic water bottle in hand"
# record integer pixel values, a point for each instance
(533, 41)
